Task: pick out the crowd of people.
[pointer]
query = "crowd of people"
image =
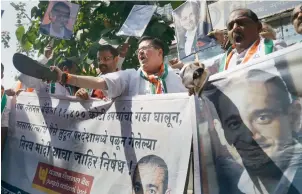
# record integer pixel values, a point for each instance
(246, 38)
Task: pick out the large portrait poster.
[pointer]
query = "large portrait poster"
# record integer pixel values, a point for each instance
(134, 145)
(192, 24)
(252, 134)
(59, 19)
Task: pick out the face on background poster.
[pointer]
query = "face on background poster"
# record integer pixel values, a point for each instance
(192, 24)
(258, 128)
(59, 19)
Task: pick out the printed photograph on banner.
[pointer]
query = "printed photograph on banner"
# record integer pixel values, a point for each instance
(255, 117)
(192, 24)
(137, 21)
(131, 146)
(59, 19)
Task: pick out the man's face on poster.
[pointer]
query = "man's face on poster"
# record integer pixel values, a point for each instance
(60, 15)
(148, 179)
(257, 125)
(188, 19)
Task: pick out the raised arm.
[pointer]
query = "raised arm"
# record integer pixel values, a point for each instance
(113, 84)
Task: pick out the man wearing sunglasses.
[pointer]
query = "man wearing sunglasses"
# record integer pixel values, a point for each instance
(59, 17)
(153, 76)
(297, 19)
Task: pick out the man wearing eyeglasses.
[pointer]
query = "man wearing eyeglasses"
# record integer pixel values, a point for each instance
(297, 19)
(109, 60)
(59, 16)
(153, 76)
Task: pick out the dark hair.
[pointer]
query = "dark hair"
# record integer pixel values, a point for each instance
(194, 5)
(251, 76)
(60, 4)
(249, 13)
(156, 43)
(157, 161)
(68, 63)
(2, 66)
(109, 48)
(293, 15)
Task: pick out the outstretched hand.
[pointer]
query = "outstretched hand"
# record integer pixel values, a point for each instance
(82, 93)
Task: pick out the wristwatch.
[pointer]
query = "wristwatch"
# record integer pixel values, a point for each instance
(64, 78)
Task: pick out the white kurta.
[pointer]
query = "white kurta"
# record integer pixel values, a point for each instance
(130, 83)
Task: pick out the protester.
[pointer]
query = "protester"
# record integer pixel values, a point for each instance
(5, 111)
(296, 19)
(59, 16)
(150, 176)
(68, 66)
(153, 77)
(262, 131)
(109, 61)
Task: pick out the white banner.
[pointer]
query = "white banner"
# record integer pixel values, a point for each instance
(137, 21)
(133, 145)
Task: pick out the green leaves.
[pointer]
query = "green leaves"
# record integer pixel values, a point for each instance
(95, 20)
(20, 32)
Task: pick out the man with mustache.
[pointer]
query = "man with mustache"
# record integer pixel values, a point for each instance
(243, 29)
(297, 19)
(109, 61)
(153, 77)
(259, 119)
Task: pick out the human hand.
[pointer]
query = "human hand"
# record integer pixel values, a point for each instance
(176, 64)
(10, 92)
(82, 93)
(124, 49)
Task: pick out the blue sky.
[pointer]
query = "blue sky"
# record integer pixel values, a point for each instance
(8, 22)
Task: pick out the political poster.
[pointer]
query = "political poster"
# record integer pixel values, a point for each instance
(134, 145)
(137, 21)
(59, 19)
(192, 24)
(249, 133)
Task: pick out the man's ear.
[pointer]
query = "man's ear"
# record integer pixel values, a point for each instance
(161, 52)
(116, 59)
(295, 114)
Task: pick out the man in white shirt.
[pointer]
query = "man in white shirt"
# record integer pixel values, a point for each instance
(243, 28)
(153, 77)
(109, 60)
(297, 18)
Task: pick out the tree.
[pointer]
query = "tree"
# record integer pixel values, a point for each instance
(95, 20)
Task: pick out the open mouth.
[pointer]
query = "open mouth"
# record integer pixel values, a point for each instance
(238, 38)
(142, 58)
